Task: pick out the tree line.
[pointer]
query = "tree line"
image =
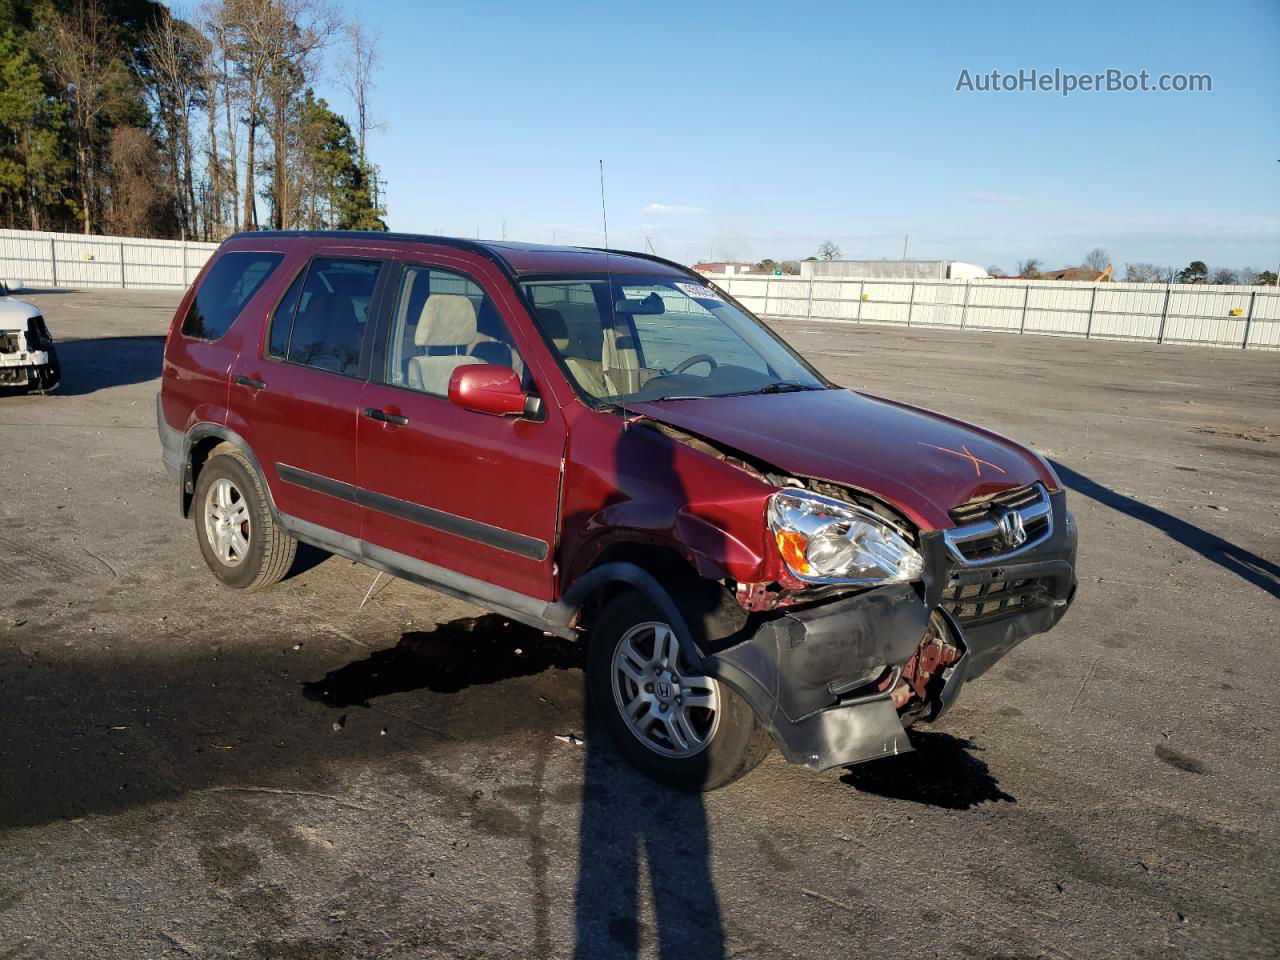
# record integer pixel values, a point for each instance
(118, 117)
(1195, 272)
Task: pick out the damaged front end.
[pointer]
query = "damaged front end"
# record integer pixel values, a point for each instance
(838, 679)
(28, 357)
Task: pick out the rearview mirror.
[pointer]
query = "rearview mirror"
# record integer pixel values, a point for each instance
(652, 304)
(490, 388)
(9, 286)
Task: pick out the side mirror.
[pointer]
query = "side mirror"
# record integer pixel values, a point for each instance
(9, 286)
(490, 388)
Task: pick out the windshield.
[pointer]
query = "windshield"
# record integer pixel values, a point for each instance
(644, 339)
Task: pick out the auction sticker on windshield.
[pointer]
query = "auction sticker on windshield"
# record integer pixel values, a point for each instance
(696, 291)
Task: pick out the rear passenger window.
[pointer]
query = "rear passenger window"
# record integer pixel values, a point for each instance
(282, 318)
(320, 322)
(443, 321)
(226, 288)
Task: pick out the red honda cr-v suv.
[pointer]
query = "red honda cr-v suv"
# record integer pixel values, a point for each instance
(605, 446)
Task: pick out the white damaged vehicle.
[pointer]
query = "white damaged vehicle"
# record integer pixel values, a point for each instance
(27, 356)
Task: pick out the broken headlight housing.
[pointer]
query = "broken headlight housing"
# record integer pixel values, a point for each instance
(826, 541)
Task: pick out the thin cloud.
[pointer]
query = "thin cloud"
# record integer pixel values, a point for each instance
(672, 210)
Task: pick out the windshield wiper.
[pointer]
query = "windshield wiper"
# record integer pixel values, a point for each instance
(782, 386)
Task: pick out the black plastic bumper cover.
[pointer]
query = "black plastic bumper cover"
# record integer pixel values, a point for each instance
(787, 669)
(792, 669)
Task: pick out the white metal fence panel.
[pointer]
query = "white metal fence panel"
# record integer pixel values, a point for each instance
(1220, 316)
(42, 259)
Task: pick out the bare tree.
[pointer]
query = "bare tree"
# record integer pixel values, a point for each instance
(1029, 268)
(1224, 276)
(357, 68)
(1144, 273)
(273, 44)
(140, 204)
(83, 52)
(175, 57)
(1248, 275)
(246, 50)
(995, 271)
(1097, 259)
(293, 32)
(828, 250)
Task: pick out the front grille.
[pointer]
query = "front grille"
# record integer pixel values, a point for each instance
(975, 603)
(1014, 499)
(1000, 526)
(10, 342)
(990, 547)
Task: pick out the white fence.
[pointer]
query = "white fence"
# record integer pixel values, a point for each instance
(80, 260)
(1218, 316)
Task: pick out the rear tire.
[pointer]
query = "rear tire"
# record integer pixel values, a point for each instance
(239, 538)
(682, 729)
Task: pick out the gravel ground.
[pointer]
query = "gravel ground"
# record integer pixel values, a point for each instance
(190, 772)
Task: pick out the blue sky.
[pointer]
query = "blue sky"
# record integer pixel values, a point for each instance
(745, 130)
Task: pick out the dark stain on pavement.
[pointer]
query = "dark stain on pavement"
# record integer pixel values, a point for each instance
(1180, 760)
(447, 659)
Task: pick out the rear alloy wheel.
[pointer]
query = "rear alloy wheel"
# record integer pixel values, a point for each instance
(226, 522)
(239, 538)
(669, 719)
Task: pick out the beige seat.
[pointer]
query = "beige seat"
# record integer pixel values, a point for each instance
(446, 330)
(589, 373)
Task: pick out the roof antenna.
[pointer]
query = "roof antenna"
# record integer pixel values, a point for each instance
(604, 213)
(604, 218)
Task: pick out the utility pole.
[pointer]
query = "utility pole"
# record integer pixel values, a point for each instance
(905, 238)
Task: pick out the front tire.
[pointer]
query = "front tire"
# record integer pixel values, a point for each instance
(239, 538)
(679, 727)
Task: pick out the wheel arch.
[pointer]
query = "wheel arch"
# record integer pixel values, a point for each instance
(199, 445)
(701, 610)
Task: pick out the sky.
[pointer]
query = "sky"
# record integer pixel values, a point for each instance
(749, 130)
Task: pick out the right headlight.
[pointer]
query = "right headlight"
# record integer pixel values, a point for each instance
(826, 541)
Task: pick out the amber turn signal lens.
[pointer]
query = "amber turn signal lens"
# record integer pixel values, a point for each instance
(792, 547)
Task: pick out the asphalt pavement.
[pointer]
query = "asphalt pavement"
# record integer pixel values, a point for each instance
(304, 774)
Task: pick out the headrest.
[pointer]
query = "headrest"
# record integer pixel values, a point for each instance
(493, 351)
(447, 320)
(553, 326)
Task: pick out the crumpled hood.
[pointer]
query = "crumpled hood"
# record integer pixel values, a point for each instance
(14, 314)
(921, 462)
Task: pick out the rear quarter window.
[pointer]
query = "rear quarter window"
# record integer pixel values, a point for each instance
(230, 284)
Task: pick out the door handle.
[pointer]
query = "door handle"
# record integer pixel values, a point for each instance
(373, 413)
(251, 382)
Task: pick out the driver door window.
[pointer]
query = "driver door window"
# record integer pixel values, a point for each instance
(443, 321)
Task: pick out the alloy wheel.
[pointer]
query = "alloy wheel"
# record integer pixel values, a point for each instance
(226, 522)
(670, 708)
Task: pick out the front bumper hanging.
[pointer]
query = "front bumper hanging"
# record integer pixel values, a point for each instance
(802, 671)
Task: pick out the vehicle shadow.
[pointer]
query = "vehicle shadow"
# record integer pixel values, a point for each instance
(98, 364)
(942, 772)
(1248, 566)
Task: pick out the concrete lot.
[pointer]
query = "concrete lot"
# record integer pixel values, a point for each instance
(190, 772)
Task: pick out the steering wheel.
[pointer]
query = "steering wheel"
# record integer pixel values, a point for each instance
(688, 362)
